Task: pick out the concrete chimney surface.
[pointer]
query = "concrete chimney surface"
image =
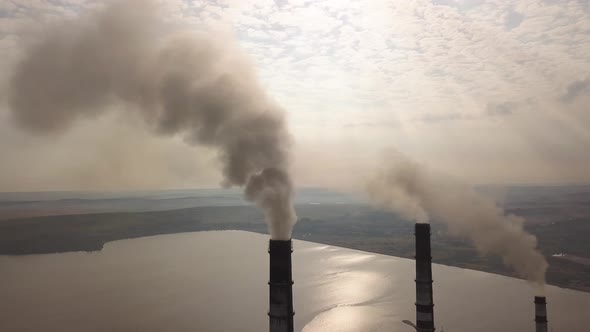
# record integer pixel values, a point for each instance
(424, 298)
(280, 286)
(540, 314)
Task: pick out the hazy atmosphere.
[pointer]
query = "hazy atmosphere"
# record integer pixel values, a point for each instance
(372, 134)
(487, 91)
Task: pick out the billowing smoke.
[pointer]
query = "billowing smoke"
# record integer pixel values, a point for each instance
(196, 85)
(413, 191)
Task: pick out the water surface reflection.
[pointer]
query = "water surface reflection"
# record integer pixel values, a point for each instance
(216, 281)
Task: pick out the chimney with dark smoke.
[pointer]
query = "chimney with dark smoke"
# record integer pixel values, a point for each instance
(424, 299)
(540, 314)
(195, 85)
(281, 286)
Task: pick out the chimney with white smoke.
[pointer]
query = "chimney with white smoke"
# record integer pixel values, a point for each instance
(405, 187)
(424, 298)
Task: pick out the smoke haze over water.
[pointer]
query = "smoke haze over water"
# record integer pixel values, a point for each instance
(196, 85)
(411, 190)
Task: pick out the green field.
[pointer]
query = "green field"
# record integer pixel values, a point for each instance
(347, 225)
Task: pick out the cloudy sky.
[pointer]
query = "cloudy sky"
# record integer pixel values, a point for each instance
(490, 91)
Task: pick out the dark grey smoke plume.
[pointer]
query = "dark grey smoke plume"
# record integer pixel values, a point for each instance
(193, 85)
(407, 188)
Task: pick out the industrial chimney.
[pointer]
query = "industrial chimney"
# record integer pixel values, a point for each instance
(281, 286)
(424, 300)
(541, 313)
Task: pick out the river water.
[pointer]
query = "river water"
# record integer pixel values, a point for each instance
(217, 281)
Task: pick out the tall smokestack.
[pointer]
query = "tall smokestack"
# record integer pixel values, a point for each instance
(281, 286)
(424, 300)
(418, 193)
(540, 314)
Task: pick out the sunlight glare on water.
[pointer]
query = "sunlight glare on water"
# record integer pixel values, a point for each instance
(217, 282)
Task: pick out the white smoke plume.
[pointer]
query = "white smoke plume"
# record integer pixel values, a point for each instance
(407, 188)
(195, 85)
